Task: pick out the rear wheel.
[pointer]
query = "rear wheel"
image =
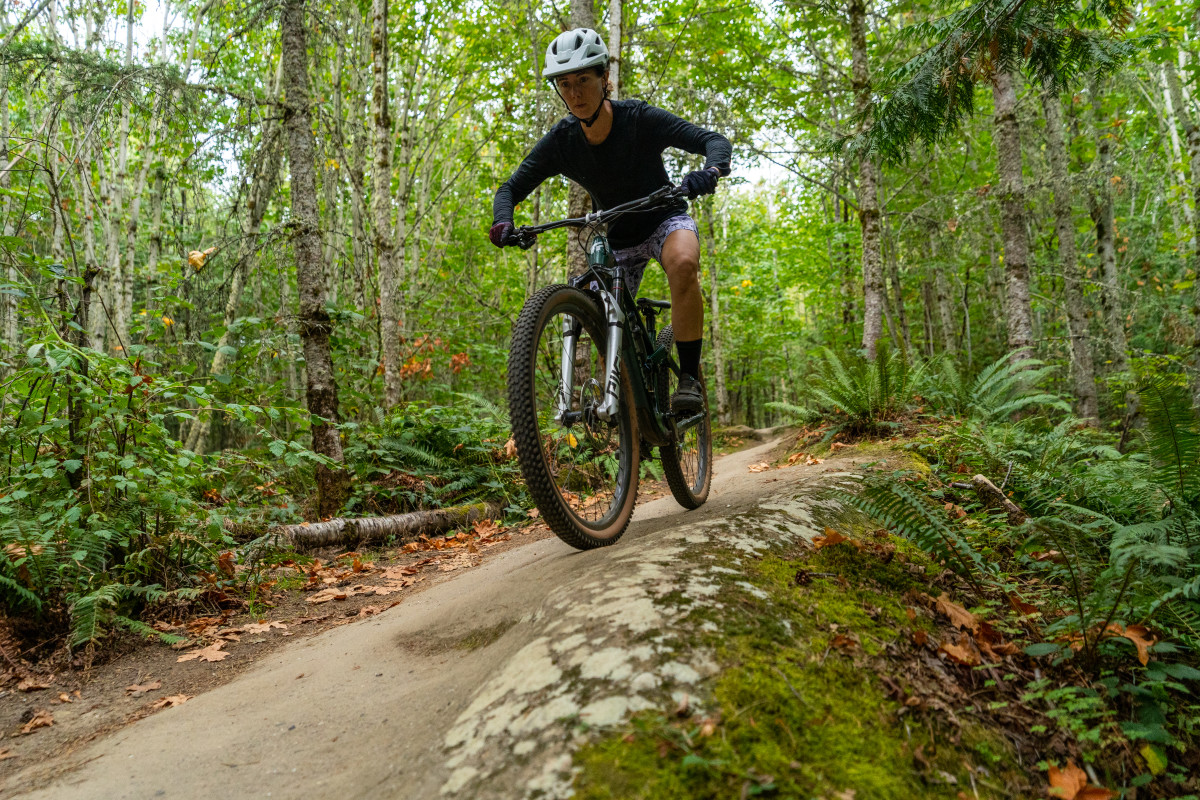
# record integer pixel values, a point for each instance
(687, 463)
(580, 469)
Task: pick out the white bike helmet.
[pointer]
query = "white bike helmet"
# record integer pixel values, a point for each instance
(574, 50)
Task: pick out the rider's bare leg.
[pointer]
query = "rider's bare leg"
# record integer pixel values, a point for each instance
(681, 261)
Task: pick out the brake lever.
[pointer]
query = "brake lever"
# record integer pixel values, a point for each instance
(521, 238)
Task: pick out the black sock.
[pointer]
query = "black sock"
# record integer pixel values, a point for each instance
(689, 357)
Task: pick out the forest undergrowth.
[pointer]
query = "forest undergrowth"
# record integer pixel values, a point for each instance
(1080, 556)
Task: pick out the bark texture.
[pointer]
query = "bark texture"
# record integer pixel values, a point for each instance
(615, 24)
(1104, 217)
(868, 188)
(381, 206)
(399, 527)
(321, 389)
(1068, 259)
(716, 338)
(583, 15)
(1018, 313)
(1191, 135)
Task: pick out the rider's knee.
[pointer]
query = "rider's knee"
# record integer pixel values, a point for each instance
(683, 270)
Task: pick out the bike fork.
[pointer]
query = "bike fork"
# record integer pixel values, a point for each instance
(607, 410)
(612, 358)
(570, 329)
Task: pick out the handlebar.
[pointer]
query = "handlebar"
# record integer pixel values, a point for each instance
(525, 236)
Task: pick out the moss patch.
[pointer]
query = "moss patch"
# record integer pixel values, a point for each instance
(798, 709)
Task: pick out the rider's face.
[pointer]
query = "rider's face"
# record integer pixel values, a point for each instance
(582, 91)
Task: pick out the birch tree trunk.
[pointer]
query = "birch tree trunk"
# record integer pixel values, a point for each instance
(11, 331)
(1103, 216)
(381, 205)
(891, 260)
(1191, 135)
(1064, 224)
(1018, 313)
(583, 15)
(714, 321)
(321, 389)
(868, 188)
(615, 23)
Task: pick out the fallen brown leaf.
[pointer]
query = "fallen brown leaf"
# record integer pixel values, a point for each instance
(761, 466)
(7, 754)
(325, 595)
(811, 460)
(34, 683)
(1071, 783)
(63, 697)
(1138, 634)
(367, 611)
(847, 644)
(958, 616)
(830, 538)
(139, 689)
(263, 627)
(41, 719)
(211, 653)
(962, 652)
(172, 700)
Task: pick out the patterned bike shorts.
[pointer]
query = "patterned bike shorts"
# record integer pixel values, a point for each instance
(635, 258)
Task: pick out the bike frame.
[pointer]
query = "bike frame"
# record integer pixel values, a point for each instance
(606, 278)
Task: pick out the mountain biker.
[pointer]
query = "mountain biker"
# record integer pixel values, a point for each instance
(613, 148)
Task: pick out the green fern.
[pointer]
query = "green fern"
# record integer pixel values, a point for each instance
(91, 612)
(1172, 433)
(146, 631)
(912, 516)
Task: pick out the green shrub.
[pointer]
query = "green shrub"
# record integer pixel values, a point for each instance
(431, 456)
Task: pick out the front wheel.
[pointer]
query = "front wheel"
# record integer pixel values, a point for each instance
(686, 463)
(581, 469)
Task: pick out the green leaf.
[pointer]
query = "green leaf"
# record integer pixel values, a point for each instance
(1042, 649)
(1181, 671)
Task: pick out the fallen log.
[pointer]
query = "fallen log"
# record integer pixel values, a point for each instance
(352, 532)
(992, 497)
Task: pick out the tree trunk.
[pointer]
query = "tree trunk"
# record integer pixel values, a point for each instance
(892, 259)
(615, 23)
(583, 15)
(716, 337)
(321, 389)
(12, 331)
(400, 528)
(1172, 99)
(381, 206)
(1103, 216)
(1064, 223)
(944, 309)
(927, 303)
(1018, 313)
(1191, 135)
(868, 187)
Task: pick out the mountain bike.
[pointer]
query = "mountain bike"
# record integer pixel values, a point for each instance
(590, 380)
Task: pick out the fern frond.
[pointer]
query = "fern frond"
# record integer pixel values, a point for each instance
(915, 518)
(145, 630)
(1172, 432)
(19, 594)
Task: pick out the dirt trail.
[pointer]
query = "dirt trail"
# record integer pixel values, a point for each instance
(461, 690)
